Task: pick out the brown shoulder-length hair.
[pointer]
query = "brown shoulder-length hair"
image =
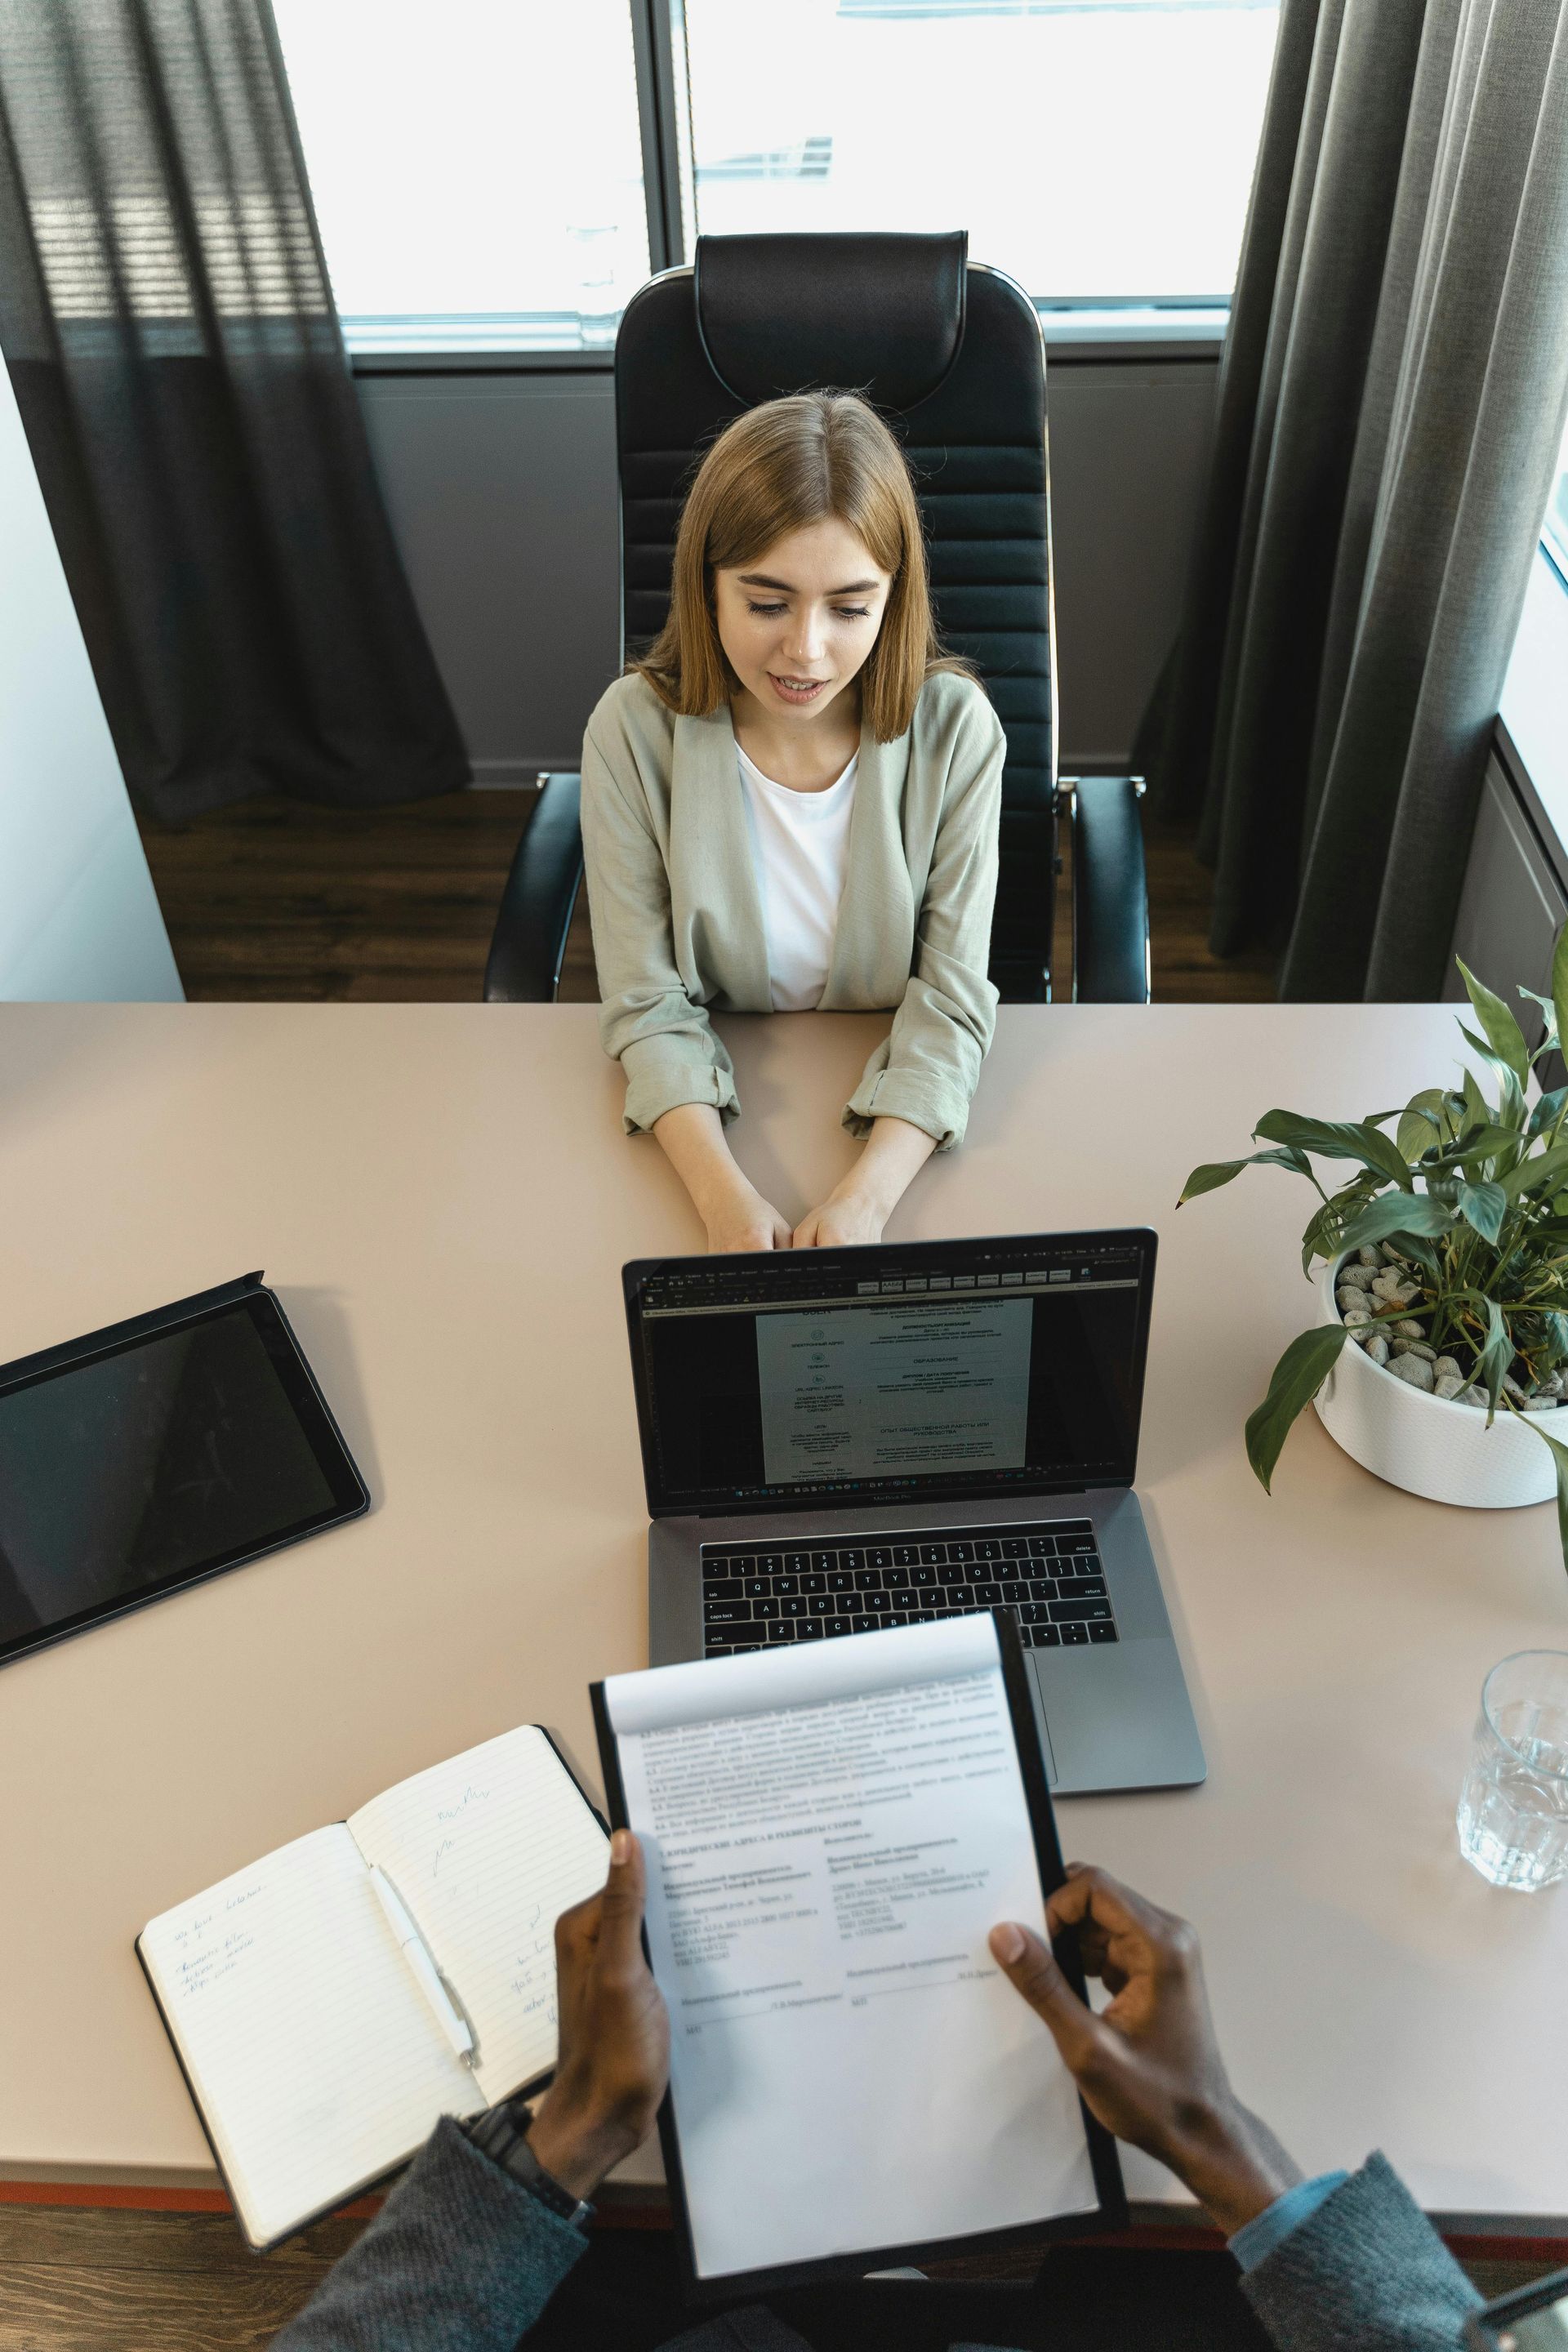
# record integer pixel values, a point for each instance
(779, 468)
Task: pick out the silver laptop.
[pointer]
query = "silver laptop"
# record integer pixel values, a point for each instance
(839, 1440)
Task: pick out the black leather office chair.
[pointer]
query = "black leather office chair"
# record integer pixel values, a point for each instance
(951, 353)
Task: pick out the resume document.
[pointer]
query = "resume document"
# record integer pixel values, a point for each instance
(831, 1831)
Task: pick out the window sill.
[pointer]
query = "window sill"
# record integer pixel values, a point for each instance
(1074, 334)
(1083, 332)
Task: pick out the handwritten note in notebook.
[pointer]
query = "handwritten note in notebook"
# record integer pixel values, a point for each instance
(314, 2056)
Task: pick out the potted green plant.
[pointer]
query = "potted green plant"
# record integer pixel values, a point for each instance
(1441, 1344)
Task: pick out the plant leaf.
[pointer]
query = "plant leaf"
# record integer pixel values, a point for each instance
(1547, 1109)
(1297, 1376)
(1510, 1093)
(1420, 1124)
(1496, 1352)
(1484, 1206)
(1210, 1177)
(1505, 1039)
(1337, 1139)
(1396, 1212)
(1497, 1355)
(1540, 1168)
(1484, 1143)
(1549, 1041)
(1318, 1240)
(1479, 1107)
(1216, 1173)
(1560, 1457)
(1559, 979)
(1422, 1254)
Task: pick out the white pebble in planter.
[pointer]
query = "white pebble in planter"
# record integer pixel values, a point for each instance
(1426, 1443)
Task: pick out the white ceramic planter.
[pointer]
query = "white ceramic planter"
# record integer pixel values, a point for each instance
(1428, 1444)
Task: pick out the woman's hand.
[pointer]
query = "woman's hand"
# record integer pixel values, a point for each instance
(1149, 2066)
(615, 2033)
(743, 1220)
(734, 1213)
(844, 1217)
(858, 1209)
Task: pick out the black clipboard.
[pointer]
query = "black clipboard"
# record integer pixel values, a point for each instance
(1111, 2210)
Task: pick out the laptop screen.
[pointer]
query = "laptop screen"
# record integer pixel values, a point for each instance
(958, 1368)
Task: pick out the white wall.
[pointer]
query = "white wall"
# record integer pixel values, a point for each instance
(77, 914)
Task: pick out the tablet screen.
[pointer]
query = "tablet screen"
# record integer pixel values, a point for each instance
(130, 1472)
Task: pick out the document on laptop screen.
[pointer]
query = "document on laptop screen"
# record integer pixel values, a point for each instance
(831, 1831)
(875, 1392)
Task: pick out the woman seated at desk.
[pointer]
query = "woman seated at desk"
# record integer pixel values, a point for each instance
(790, 802)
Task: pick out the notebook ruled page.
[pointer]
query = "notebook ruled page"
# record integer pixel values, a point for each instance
(313, 2055)
(486, 1850)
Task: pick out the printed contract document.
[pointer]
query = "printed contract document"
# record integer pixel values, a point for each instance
(831, 1833)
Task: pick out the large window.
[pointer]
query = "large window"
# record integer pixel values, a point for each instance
(479, 164)
(1092, 148)
(476, 165)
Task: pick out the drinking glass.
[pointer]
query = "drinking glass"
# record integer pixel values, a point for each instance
(1514, 1807)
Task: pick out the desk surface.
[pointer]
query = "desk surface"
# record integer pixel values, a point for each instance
(442, 1196)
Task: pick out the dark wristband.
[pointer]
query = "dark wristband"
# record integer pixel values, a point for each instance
(502, 2134)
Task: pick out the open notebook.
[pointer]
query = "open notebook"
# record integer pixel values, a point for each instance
(316, 2059)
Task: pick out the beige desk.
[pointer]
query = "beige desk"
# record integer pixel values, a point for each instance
(443, 1197)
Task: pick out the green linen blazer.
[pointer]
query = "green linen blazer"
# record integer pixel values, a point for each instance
(677, 906)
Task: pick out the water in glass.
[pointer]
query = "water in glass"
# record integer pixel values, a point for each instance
(1514, 1807)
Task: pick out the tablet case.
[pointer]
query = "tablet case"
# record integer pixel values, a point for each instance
(196, 1308)
(1111, 2210)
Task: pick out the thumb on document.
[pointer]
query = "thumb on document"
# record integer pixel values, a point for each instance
(1025, 1960)
(621, 1904)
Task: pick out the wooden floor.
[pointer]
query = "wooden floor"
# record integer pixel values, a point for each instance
(277, 898)
(74, 2280)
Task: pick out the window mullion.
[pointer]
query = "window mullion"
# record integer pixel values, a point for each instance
(664, 115)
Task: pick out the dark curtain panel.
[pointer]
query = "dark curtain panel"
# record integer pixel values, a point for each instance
(167, 321)
(1391, 403)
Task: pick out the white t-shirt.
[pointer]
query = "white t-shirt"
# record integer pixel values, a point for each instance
(801, 841)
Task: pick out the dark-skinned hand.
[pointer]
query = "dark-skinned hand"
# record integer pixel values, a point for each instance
(614, 2032)
(1149, 2065)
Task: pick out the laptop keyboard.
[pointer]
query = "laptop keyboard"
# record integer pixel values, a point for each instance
(1048, 1575)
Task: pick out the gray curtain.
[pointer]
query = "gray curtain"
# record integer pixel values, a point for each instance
(168, 323)
(1391, 404)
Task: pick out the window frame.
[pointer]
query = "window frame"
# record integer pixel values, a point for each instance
(1531, 729)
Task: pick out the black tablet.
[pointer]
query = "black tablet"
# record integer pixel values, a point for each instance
(163, 1450)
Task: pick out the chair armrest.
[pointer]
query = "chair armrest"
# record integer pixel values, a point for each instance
(1110, 891)
(530, 937)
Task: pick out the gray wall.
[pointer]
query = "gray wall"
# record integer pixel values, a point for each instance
(1515, 897)
(502, 494)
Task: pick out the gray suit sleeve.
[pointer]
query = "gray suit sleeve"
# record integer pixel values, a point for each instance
(459, 2259)
(1365, 2272)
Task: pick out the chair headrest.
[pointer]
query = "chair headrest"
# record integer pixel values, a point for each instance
(782, 314)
